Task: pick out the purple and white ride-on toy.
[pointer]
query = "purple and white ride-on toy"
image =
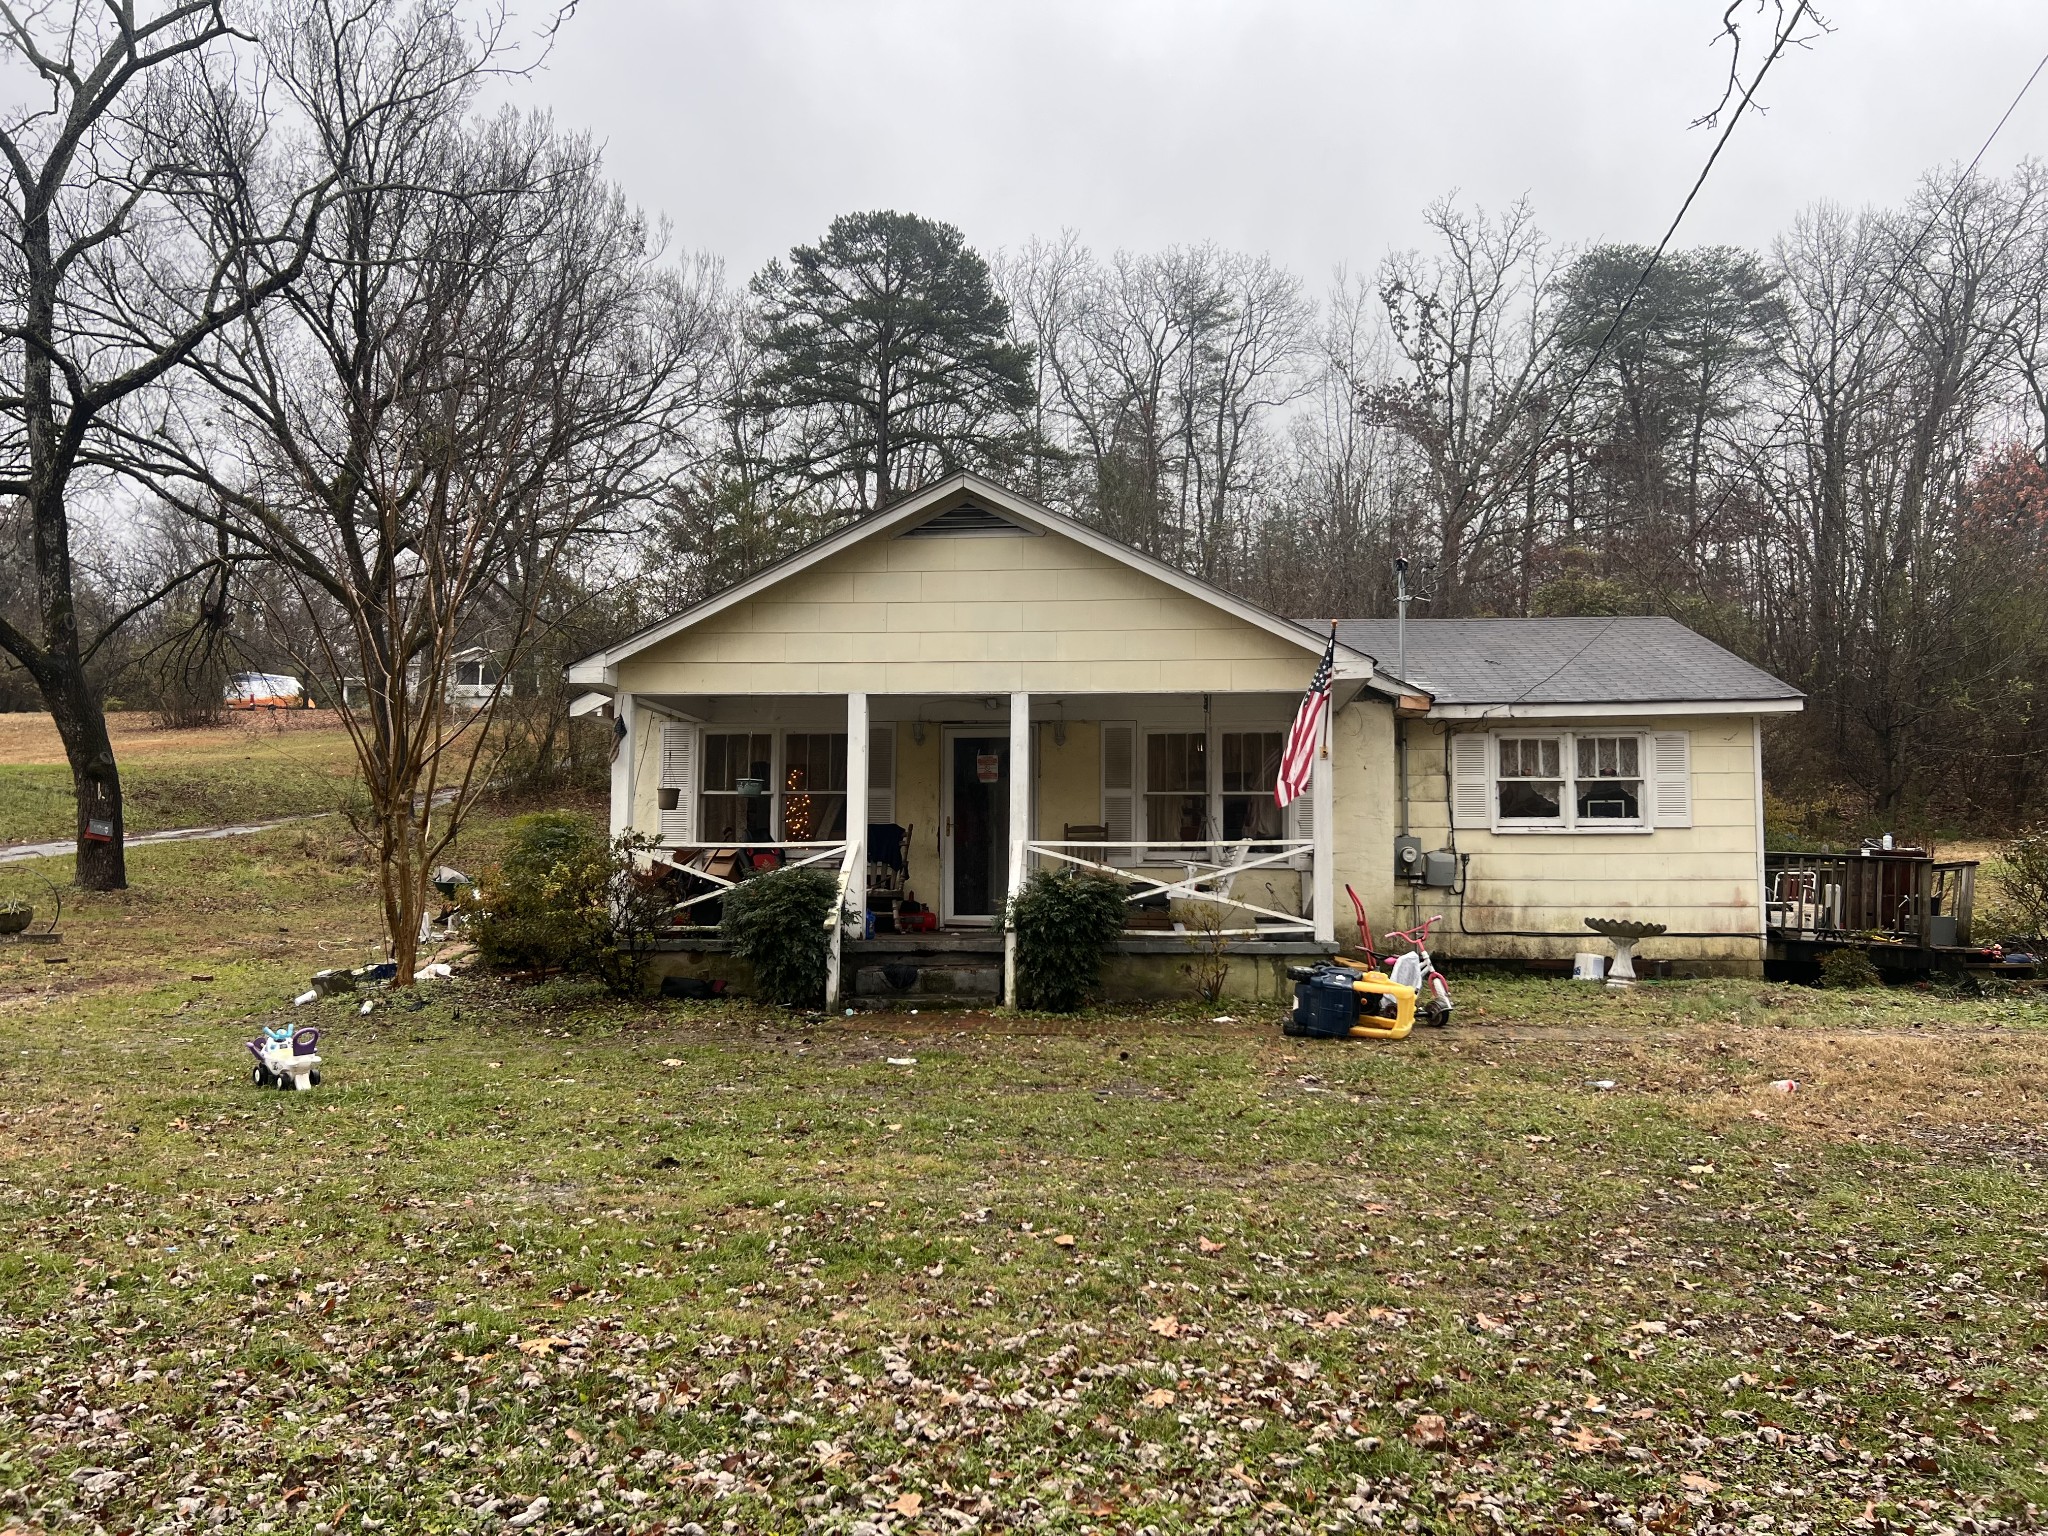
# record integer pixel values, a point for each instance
(285, 1059)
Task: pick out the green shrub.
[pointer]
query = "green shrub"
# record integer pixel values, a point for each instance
(1848, 969)
(2023, 883)
(565, 899)
(776, 922)
(1065, 920)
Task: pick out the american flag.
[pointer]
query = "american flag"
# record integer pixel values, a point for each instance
(1297, 763)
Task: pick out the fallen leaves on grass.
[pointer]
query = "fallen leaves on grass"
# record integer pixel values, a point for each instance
(1430, 1431)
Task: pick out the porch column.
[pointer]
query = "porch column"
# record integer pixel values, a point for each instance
(1020, 827)
(625, 747)
(855, 860)
(1323, 801)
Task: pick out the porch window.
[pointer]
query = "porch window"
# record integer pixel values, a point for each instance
(814, 786)
(765, 786)
(1251, 764)
(1177, 786)
(476, 674)
(1203, 785)
(734, 762)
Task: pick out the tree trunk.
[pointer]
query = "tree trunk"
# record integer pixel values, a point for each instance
(403, 882)
(101, 863)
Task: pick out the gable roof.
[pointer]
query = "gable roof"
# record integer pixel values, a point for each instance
(1525, 667)
(942, 504)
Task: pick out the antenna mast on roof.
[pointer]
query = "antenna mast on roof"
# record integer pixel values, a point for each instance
(1401, 617)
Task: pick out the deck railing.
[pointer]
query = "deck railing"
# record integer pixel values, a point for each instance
(1210, 871)
(1904, 898)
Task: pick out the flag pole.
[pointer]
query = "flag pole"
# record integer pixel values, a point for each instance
(1324, 733)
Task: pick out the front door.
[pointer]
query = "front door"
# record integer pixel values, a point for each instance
(977, 837)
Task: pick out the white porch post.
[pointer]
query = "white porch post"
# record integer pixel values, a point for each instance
(628, 747)
(1323, 799)
(1020, 826)
(855, 862)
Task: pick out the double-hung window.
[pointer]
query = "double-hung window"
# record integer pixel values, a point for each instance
(1177, 786)
(1607, 782)
(735, 804)
(1569, 780)
(1212, 786)
(814, 786)
(1251, 766)
(1528, 783)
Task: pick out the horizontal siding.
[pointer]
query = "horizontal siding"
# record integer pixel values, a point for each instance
(971, 615)
(1698, 879)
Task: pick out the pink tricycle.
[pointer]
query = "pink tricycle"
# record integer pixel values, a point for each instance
(1413, 969)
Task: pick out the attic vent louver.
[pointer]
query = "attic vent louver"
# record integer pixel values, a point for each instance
(965, 521)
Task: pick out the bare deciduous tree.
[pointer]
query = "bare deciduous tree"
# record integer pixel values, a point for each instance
(1476, 327)
(480, 370)
(100, 297)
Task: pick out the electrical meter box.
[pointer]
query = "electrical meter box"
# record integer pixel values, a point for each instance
(1408, 859)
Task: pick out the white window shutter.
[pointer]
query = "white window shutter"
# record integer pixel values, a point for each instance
(1671, 768)
(679, 773)
(1120, 786)
(1301, 824)
(882, 774)
(1470, 764)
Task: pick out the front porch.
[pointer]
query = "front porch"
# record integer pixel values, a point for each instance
(932, 810)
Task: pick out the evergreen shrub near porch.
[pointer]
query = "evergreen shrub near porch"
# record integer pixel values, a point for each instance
(567, 899)
(776, 922)
(1065, 921)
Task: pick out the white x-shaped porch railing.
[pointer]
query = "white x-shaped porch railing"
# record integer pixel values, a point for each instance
(1210, 870)
(677, 855)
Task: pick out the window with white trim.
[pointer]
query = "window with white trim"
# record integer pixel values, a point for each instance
(761, 786)
(1568, 780)
(1607, 779)
(1176, 786)
(734, 797)
(1251, 766)
(1528, 779)
(814, 786)
(1199, 785)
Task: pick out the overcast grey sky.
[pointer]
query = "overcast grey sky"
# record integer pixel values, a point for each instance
(1313, 129)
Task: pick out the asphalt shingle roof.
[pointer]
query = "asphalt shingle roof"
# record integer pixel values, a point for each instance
(1626, 660)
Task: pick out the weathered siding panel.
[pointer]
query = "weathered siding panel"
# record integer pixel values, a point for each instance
(974, 616)
(1697, 879)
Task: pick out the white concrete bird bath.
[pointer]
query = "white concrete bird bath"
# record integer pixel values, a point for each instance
(1624, 936)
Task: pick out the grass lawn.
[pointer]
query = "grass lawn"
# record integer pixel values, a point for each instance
(680, 1267)
(257, 767)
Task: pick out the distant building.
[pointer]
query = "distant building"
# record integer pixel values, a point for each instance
(265, 690)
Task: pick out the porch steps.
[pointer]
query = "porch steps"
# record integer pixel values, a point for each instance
(926, 967)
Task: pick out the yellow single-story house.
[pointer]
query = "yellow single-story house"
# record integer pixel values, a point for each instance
(968, 686)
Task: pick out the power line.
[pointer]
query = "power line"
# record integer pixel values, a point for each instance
(1784, 36)
(1969, 171)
